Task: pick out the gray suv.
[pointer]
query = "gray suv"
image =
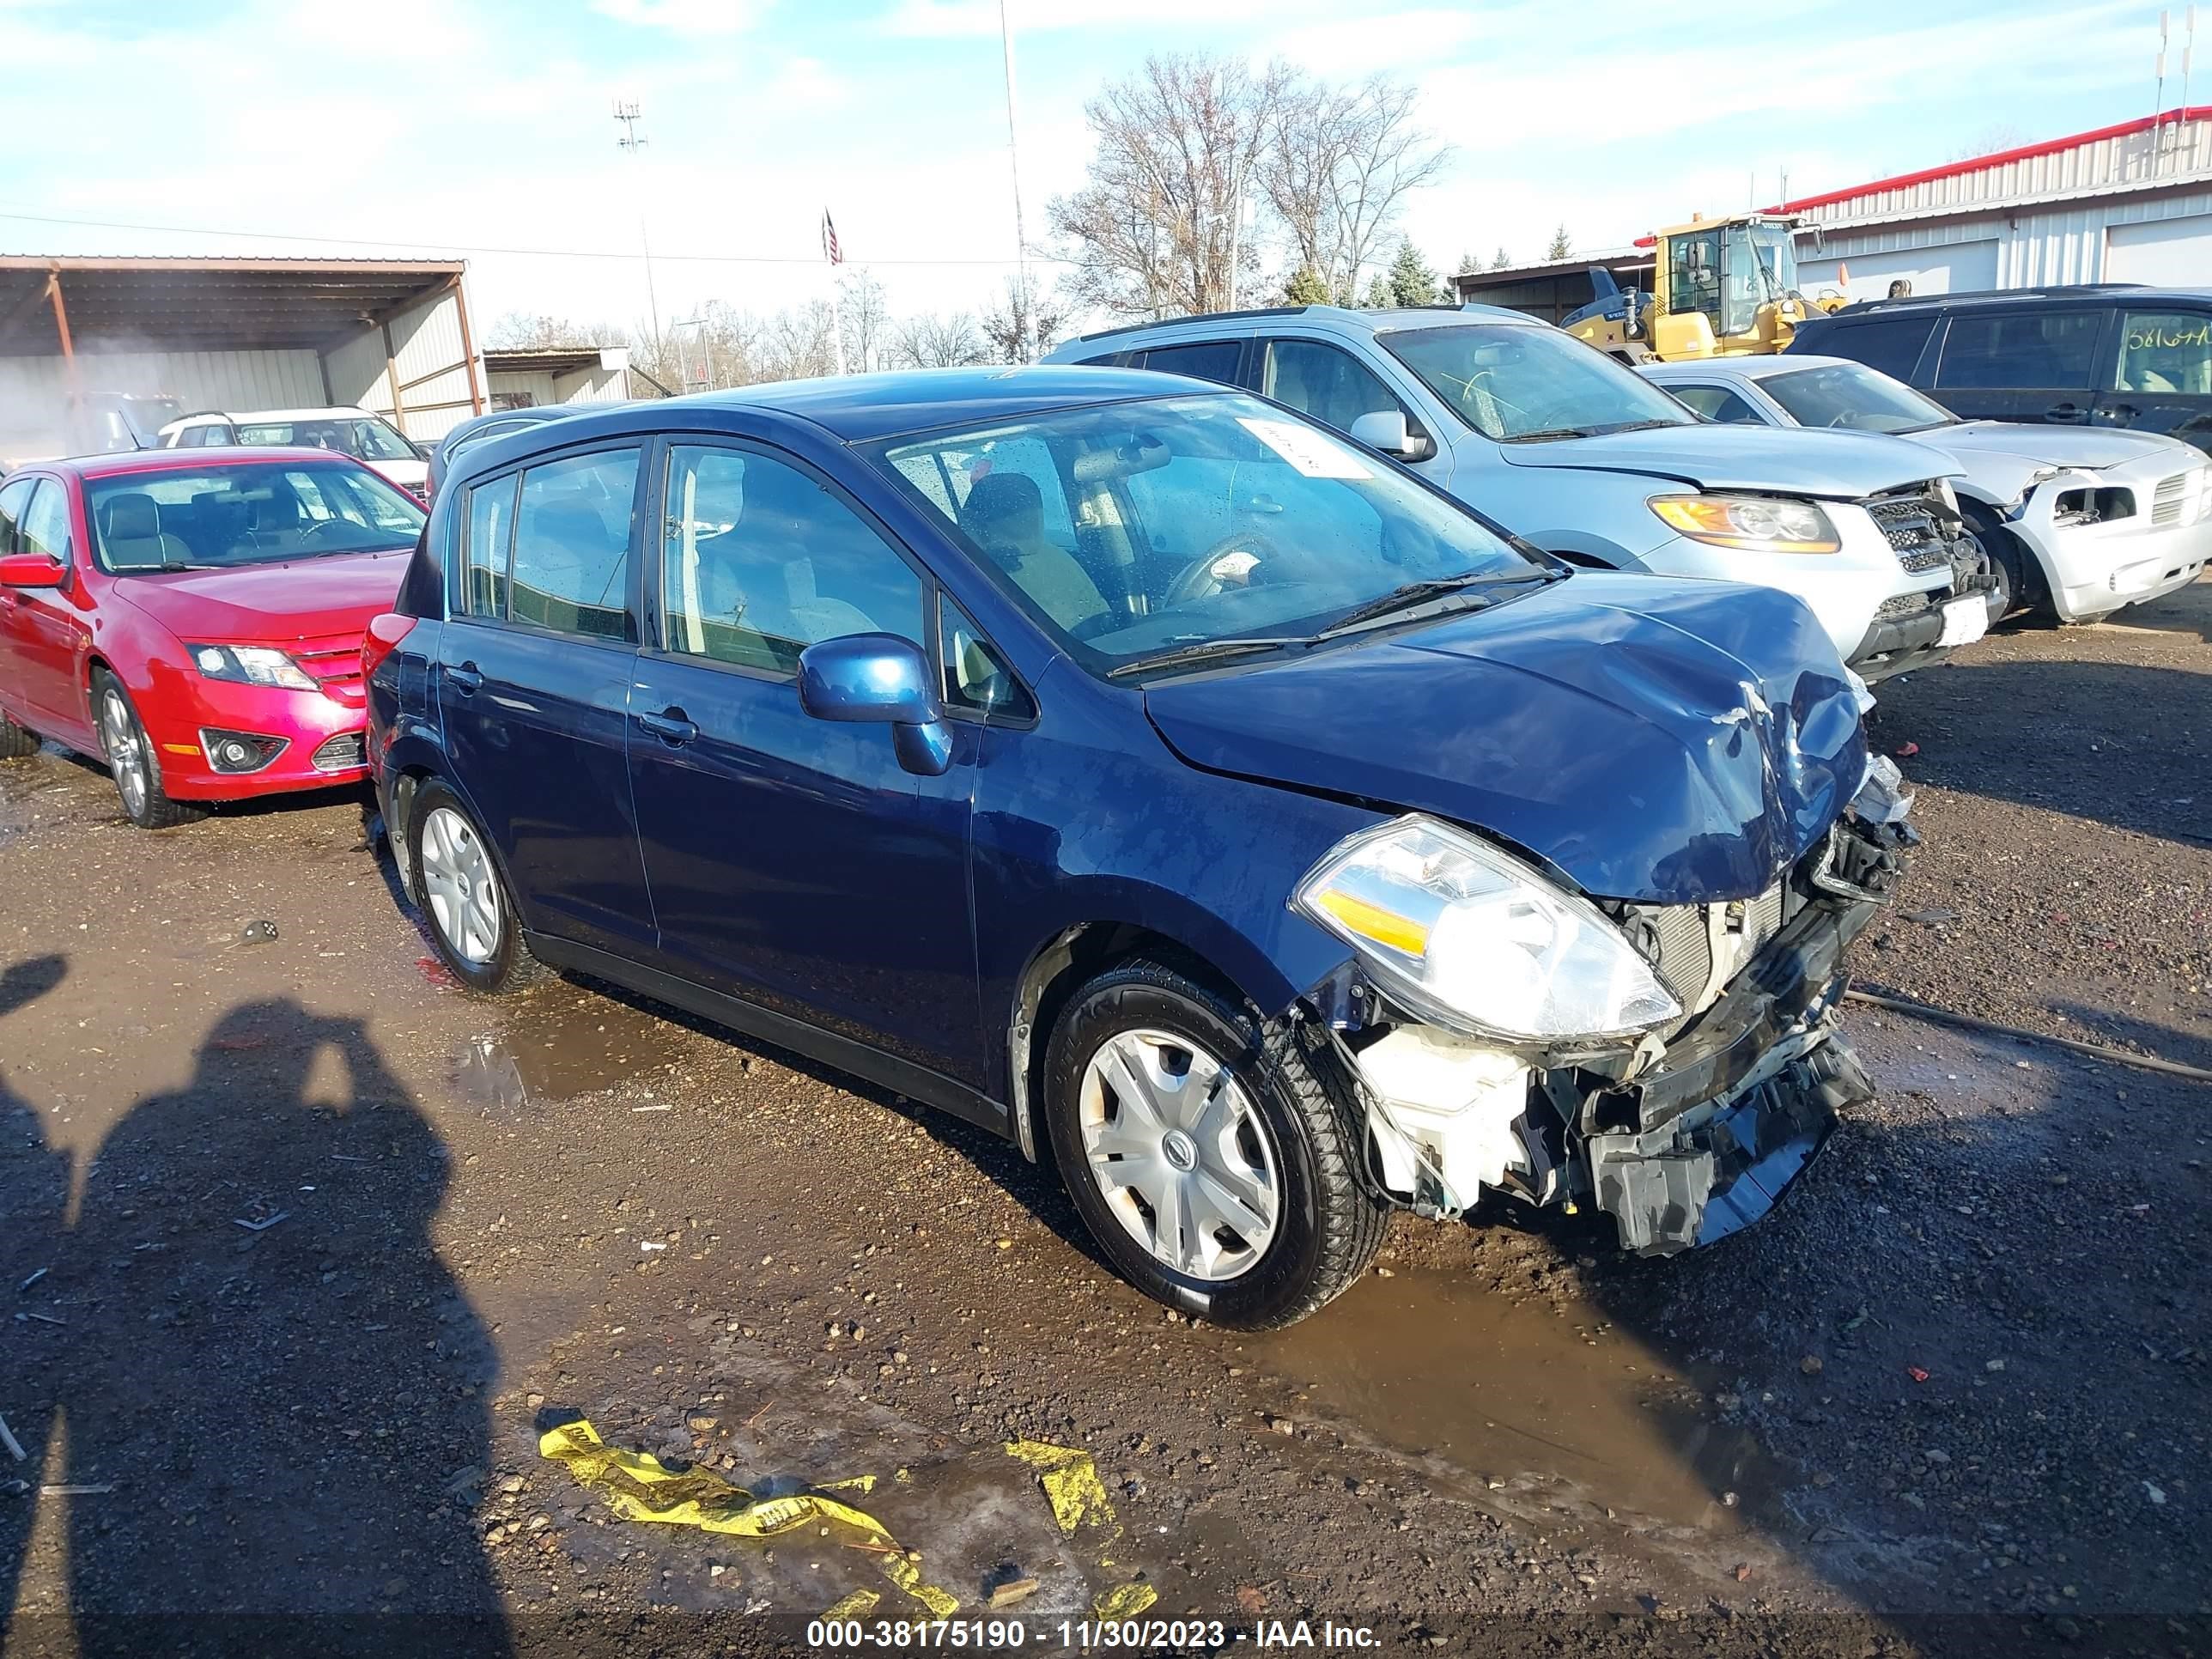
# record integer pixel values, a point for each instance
(1583, 456)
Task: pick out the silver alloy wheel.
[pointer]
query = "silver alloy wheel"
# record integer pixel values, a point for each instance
(127, 750)
(458, 881)
(1179, 1154)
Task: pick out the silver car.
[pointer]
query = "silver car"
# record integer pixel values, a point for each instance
(2079, 521)
(1574, 452)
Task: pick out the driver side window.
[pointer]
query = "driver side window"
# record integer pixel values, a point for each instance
(1330, 385)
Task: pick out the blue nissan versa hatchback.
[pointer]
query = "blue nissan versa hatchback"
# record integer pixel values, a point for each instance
(1135, 769)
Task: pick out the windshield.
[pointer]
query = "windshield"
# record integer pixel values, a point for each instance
(366, 439)
(1138, 528)
(215, 517)
(1515, 382)
(1854, 397)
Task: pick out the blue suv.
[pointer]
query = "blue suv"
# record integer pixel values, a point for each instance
(1137, 770)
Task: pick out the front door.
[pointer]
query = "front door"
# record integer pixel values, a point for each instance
(534, 690)
(793, 862)
(48, 626)
(2161, 377)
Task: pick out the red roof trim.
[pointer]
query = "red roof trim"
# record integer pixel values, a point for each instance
(1975, 164)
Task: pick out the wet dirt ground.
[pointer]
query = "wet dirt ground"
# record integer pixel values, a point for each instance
(300, 1247)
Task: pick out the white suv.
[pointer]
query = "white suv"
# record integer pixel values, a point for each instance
(367, 437)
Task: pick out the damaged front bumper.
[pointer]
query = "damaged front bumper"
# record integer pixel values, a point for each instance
(1684, 1136)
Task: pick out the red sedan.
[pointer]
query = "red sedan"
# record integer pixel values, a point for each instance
(195, 617)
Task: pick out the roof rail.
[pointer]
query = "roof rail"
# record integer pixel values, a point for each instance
(1991, 295)
(1207, 317)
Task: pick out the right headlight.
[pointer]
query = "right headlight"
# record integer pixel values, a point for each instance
(1753, 524)
(1472, 938)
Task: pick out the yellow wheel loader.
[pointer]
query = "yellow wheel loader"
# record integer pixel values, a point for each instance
(1720, 287)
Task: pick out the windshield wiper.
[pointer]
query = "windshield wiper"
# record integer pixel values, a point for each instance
(1412, 593)
(1553, 434)
(1200, 651)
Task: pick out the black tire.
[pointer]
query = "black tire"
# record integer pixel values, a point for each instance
(1328, 1225)
(490, 966)
(132, 760)
(2015, 587)
(16, 742)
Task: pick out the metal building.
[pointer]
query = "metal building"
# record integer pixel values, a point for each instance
(528, 376)
(392, 336)
(2125, 203)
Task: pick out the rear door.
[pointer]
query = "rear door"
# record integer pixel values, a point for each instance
(793, 862)
(2159, 373)
(534, 683)
(2021, 363)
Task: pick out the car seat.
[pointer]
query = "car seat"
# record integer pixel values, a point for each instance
(131, 535)
(1004, 515)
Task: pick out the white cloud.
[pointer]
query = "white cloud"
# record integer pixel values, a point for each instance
(685, 17)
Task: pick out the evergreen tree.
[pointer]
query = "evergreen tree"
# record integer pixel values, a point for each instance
(1562, 246)
(1503, 260)
(1307, 287)
(1411, 281)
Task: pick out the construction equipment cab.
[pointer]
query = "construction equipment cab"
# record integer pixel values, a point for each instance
(1720, 287)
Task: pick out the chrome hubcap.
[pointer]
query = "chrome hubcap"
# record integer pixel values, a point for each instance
(126, 750)
(457, 879)
(1177, 1151)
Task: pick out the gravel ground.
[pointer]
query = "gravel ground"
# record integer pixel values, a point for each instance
(302, 1247)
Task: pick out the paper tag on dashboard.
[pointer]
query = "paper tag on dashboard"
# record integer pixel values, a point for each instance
(1966, 619)
(1314, 453)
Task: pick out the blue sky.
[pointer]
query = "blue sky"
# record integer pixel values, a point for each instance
(425, 126)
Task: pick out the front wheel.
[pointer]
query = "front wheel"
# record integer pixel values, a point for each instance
(130, 758)
(1215, 1165)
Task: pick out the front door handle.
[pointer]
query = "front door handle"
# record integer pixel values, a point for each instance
(465, 678)
(669, 726)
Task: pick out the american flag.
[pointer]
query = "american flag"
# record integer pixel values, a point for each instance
(832, 250)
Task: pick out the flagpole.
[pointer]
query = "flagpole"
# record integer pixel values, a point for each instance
(833, 254)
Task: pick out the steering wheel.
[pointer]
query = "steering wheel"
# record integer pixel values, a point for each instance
(320, 525)
(1190, 583)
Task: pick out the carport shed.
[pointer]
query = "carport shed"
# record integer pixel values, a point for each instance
(388, 334)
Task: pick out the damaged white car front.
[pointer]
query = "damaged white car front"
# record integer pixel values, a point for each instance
(1676, 1065)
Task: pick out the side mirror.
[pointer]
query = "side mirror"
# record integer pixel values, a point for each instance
(31, 570)
(878, 677)
(1385, 429)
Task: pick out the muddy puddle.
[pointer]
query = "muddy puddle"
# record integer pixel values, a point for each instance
(1528, 1400)
(33, 789)
(559, 1045)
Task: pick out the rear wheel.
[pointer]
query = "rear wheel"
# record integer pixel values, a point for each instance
(1214, 1162)
(132, 760)
(473, 921)
(16, 742)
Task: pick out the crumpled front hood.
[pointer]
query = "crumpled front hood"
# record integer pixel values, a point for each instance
(270, 603)
(1664, 741)
(2051, 445)
(1838, 465)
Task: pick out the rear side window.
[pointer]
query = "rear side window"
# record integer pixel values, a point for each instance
(2168, 351)
(1893, 346)
(2020, 351)
(490, 537)
(1208, 360)
(571, 567)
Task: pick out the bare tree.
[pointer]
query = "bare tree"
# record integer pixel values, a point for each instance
(932, 342)
(1161, 226)
(798, 344)
(865, 317)
(522, 330)
(1340, 164)
(1025, 325)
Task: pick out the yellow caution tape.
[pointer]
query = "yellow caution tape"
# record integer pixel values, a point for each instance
(859, 1605)
(1069, 1481)
(1123, 1601)
(639, 1486)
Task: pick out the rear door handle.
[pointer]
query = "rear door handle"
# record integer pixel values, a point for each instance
(669, 726)
(2064, 412)
(465, 679)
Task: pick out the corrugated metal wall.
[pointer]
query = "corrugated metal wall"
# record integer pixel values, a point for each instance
(434, 379)
(198, 379)
(2063, 245)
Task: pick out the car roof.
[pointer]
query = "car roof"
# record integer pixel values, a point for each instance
(123, 461)
(1382, 321)
(861, 408)
(2116, 293)
(1743, 368)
